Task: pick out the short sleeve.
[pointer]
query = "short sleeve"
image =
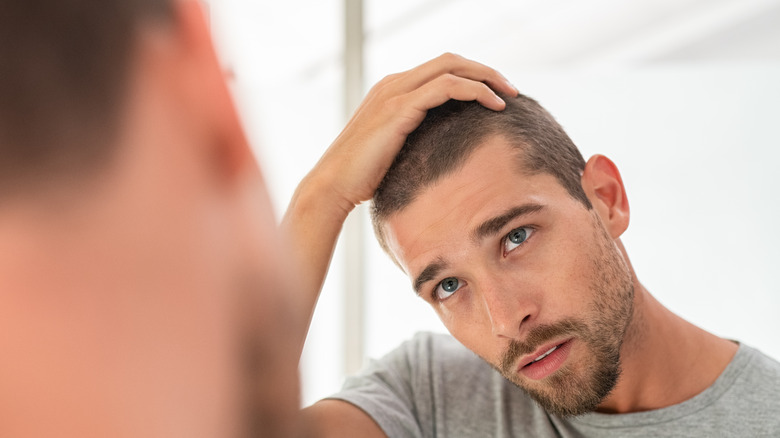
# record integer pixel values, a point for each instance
(433, 387)
(395, 390)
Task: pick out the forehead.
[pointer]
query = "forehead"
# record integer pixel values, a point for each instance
(442, 217)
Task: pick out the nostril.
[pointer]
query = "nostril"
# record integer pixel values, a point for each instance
(527, 317)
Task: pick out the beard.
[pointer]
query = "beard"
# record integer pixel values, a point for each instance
(569, 391)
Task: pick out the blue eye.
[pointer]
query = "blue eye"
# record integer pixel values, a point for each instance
(447, 287)
(517, 237)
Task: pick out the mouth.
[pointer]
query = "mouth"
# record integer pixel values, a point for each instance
(545, 361)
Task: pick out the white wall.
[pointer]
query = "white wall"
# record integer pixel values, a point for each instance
(694, 132)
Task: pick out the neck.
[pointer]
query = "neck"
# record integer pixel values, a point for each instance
(665, 359)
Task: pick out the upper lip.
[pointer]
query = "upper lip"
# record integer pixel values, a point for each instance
(525, 360)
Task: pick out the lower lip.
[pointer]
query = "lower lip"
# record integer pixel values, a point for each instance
(548, 365)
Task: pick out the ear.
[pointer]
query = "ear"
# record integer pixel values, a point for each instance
(202, 90)
(604, 187)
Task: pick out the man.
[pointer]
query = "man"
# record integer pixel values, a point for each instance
(514, 240)
(143, 291)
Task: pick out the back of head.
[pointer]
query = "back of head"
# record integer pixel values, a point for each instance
(151, 299)
(63, 65)
(452, 131)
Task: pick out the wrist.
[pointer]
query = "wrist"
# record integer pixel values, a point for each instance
(316, 198)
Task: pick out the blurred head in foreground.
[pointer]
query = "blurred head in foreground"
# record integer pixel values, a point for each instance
(138, 291)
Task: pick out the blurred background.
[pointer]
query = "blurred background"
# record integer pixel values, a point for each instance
(684, 96)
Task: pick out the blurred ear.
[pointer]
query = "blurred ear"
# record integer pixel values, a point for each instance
(604, 187)
(198, 83)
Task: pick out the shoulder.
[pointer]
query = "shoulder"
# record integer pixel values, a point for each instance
(435, 346)
(433, 383)
(762, 362)
(759, 374)
(440, 342)
(426, 350)
(409, 368)
(421, 358)
(751, 401)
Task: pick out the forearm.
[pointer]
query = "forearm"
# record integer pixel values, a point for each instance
(311, 227)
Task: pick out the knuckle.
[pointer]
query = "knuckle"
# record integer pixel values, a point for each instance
(385, 81)
(379, 85)
(449, 80)
(450, 57)
(390, 78)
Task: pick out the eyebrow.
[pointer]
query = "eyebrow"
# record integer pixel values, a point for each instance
(487, 228)
(429, 273)
(493, 225)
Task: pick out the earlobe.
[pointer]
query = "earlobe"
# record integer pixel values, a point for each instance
(604, 187)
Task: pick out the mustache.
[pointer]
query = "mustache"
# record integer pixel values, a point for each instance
(536, 338)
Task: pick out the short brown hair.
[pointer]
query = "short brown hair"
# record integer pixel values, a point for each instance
(63, 67)
(451, 132)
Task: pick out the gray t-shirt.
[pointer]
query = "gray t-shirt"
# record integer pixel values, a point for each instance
(432, 386)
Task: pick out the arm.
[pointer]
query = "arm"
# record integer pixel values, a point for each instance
(349, 173)
(354, 165)
(332, 418)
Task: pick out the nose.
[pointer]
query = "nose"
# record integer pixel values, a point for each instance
(507, 306)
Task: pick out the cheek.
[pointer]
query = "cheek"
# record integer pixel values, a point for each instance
(562, 273)
(472, 328)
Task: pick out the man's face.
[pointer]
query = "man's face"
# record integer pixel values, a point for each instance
(522, 274)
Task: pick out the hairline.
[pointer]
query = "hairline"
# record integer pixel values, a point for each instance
(518, 145)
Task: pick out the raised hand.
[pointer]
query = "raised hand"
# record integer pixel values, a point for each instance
(353, 166)
(357, 160)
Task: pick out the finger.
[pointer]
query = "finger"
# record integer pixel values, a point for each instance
(449, 63)
(442, 89)
(449, 86)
